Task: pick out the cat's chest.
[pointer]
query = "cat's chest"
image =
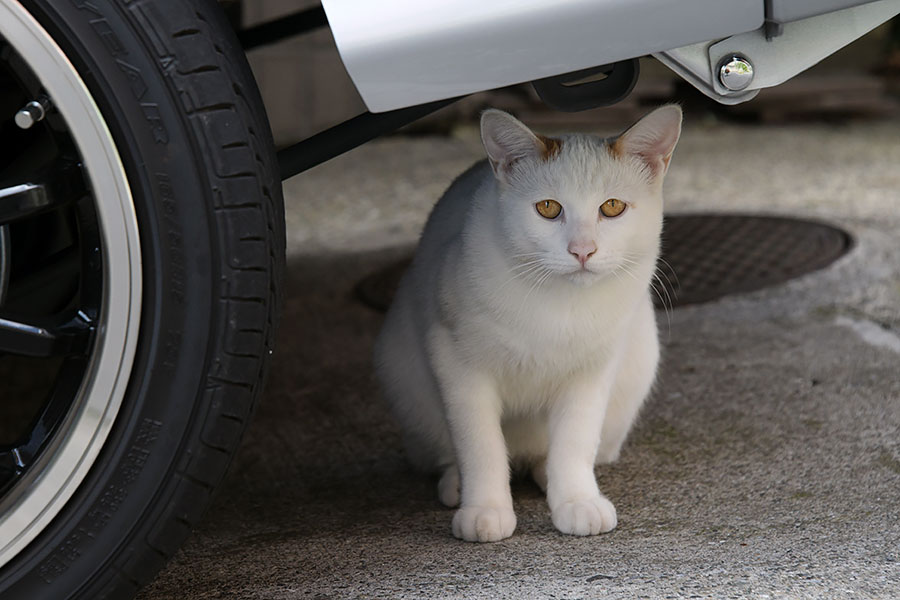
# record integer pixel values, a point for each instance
(532, 361)
(544, 334)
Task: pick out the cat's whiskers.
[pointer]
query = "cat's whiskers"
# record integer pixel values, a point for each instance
(625, 269)
(665, 301)
(666, 307)
(525, 255)
(628, 262)
(542, 275)
(629, 258)
(520, 268)
(674, 274)
(528, 258)
(615, 273)
(523, 271)
(667, 288)
(670, 289)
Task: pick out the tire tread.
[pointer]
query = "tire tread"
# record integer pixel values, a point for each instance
(212, 78)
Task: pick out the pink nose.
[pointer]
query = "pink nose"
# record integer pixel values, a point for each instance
(582, 250)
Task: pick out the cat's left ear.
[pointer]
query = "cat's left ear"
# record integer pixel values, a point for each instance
(652, 139)
(508, 141)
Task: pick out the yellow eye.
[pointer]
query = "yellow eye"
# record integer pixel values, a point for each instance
(549, 209)
(612, 208)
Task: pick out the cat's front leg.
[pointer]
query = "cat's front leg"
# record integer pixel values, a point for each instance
(485, 513)
(473, 412)
(576, 505)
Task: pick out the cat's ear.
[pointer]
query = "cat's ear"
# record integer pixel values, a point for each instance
(652, 139)
(507, 141)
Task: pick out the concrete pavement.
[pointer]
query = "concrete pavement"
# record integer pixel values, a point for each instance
(766, 465)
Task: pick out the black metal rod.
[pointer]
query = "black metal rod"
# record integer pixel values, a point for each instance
(285, 27)
(348, 135)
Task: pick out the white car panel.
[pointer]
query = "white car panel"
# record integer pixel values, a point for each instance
(405, 52)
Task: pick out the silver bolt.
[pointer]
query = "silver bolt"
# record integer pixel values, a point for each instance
(735, 73)
(32, 113)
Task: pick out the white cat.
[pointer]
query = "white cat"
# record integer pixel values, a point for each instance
(524, 330)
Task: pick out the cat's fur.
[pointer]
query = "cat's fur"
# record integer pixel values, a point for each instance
(518, 338)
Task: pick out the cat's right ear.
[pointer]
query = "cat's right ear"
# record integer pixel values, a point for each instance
(507, 141)
(652, 139)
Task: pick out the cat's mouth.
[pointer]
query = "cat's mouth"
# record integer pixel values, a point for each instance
(590, 273)
(582, 276)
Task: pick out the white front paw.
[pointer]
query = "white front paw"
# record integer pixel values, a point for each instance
(484, 523)
(585, 517)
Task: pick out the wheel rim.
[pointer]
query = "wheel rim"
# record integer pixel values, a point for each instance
(97, 336)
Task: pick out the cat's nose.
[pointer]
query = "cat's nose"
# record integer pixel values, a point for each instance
(582, 250)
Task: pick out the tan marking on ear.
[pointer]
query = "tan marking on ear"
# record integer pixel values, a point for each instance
(615, 149)
(550, 147)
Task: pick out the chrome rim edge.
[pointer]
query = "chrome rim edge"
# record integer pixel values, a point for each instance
(33, 502)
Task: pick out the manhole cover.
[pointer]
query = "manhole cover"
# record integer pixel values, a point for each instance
(715, 255)
(704, 257)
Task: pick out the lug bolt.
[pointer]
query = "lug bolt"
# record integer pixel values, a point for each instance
(32, 113)
(735, 73)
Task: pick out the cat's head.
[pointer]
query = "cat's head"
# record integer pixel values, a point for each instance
(579, 206)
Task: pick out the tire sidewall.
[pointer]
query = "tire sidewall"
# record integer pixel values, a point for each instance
(130, 478)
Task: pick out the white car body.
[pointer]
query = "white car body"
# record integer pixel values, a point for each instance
(403, 53)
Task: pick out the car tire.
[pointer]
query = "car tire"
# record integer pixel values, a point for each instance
(173, 87)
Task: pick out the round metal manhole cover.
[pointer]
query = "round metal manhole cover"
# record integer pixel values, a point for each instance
(704, 257)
